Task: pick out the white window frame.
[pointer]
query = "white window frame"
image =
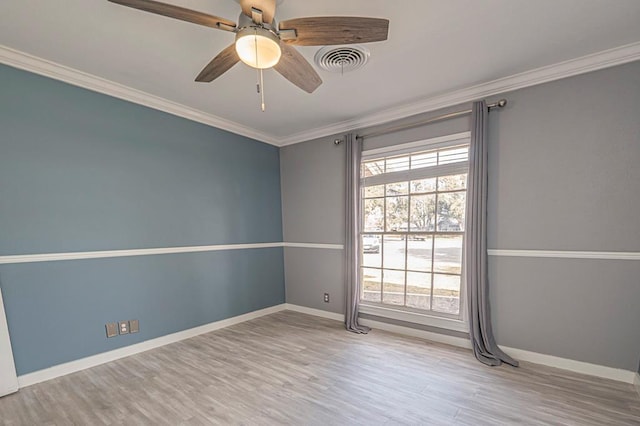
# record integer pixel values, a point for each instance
(400, 313)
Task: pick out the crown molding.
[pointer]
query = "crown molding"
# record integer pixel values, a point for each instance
(36, 65)
(593, 62)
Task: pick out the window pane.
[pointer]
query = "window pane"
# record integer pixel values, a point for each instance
(453, 155)
(423, 185)
(374, 191)
(448, 254)
(371, 252)
(448, 183)
(372, 168)
(371, 284)
(423, 212)
(397, 213)
(398, 188)
(412, 238)
(393, 287)
(451, 208)
(394, 252)
(397, 164)
(425, 159)
(418, 290)
(446, 293)
(419, 252)
(373, 214)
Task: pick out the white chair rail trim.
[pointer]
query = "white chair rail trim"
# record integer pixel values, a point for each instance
(49, 257)
(568, 254)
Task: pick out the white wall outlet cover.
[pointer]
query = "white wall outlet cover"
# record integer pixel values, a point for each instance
(124, 327)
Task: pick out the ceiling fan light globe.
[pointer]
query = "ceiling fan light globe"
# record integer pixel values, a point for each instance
(267, 52)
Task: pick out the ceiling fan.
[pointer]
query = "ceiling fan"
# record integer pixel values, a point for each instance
(263, 43)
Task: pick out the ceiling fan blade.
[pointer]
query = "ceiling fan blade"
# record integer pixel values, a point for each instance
(178, 12)
(219, 65)
(295, 68)
(329, 30)
(268, 8)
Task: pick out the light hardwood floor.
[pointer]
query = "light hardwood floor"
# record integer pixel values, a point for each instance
(291, 368)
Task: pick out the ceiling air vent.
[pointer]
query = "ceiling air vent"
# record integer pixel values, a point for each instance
(341, 59)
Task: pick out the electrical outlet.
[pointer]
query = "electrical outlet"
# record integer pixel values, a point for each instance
(112, 329)
(124, 327)
(134, 326)
(326, 298)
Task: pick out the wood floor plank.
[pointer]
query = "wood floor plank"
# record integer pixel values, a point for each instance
(291, 368)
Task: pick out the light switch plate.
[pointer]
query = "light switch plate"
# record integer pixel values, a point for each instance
(134, 326)
(112, 329)
(124, 327)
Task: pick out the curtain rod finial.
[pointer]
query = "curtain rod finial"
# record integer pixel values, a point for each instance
(502, 103)
(337, 141)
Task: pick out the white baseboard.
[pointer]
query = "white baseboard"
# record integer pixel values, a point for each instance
(602, 371)
(434, 337)
(415, 318)
(421, 334)
(94, 360)
(519, 354)
(315, 312)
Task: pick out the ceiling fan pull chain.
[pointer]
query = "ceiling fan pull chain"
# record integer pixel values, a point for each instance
(257, 81)
(262, 91)
(260, 84)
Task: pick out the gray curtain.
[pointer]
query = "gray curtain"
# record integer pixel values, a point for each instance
(484, 345)
(352, 239)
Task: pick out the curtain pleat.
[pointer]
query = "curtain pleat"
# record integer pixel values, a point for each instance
(484, 345)
(352, 239)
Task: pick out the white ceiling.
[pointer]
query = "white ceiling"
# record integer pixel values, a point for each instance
(434, 47)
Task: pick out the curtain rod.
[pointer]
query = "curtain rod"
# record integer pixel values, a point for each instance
(501, 103)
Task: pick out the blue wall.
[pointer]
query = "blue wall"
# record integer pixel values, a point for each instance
(80, 171)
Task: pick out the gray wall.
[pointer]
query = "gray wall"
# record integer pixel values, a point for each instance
(564, 175)
(564, 172)
(312, 176)
(80, 171)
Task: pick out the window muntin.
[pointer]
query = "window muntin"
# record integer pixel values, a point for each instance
(414, 212)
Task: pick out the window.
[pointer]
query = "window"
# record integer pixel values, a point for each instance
(412, 227)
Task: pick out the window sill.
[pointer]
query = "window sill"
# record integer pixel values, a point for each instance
(414, 317)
